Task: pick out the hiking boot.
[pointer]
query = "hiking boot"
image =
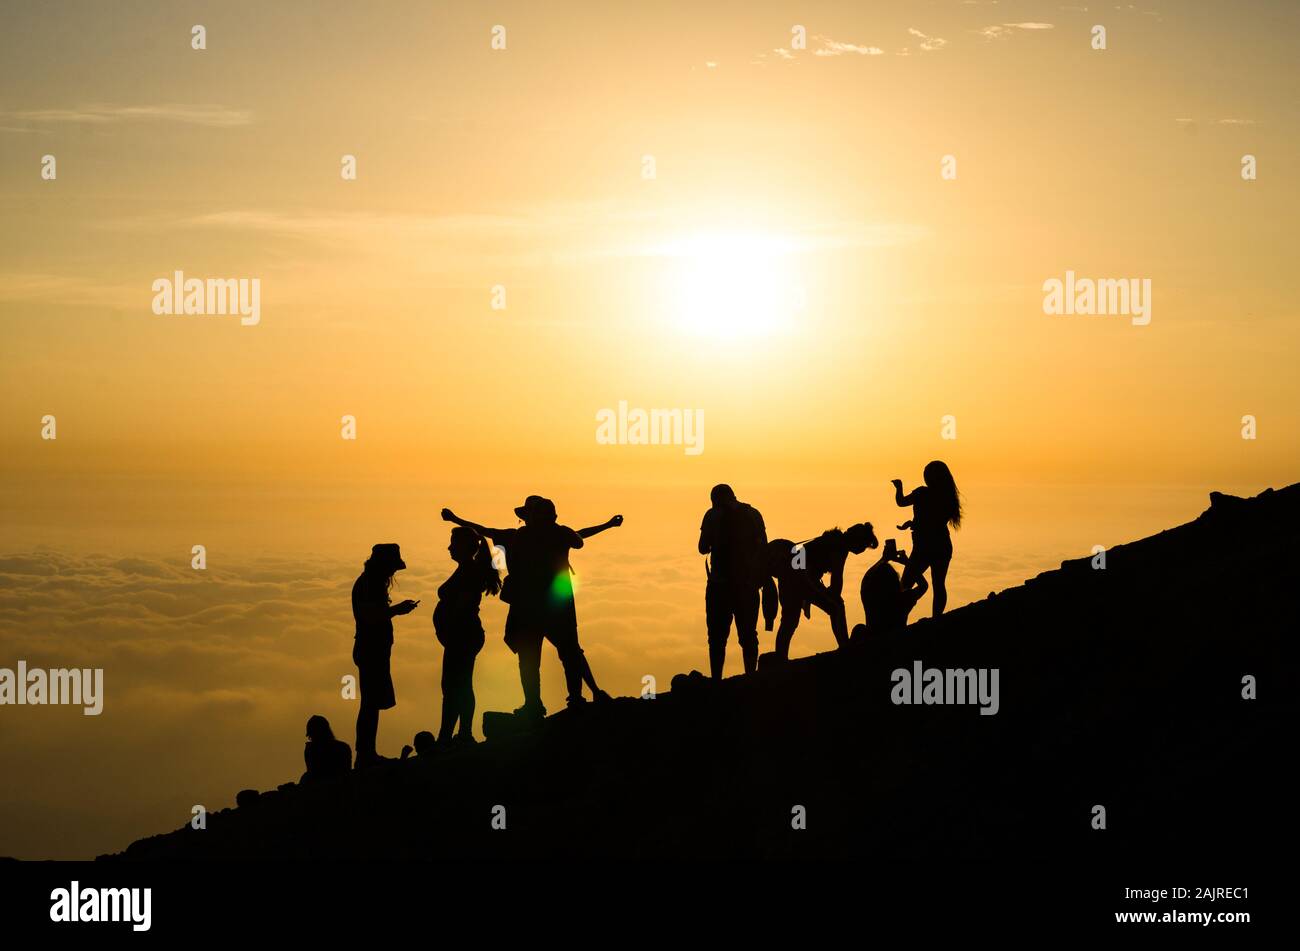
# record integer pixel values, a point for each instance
(576, 701)
(531, 712)
(602, 697)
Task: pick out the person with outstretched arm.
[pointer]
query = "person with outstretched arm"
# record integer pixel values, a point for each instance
(539, 590)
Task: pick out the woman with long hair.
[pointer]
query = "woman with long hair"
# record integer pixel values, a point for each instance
(460, 632)
(373, 610)
(936, 505)
(325, 756)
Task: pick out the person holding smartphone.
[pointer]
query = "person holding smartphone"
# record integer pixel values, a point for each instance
(373, 610)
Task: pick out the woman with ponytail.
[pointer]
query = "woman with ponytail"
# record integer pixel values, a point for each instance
(459, 630)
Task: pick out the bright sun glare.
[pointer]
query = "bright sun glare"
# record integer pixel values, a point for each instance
(734, 285)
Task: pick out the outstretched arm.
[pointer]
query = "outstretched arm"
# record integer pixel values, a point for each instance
(614, 522)
(449, 516)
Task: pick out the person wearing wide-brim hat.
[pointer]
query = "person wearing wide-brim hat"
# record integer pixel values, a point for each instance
(537, 510)
(539, 590)
(371, 652)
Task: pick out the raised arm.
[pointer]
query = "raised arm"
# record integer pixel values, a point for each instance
(899, 498)
(614, 522)
(449, 516)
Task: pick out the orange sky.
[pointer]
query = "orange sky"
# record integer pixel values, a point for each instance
(797, 270)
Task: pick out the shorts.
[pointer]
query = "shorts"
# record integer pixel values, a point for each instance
(725, 603)
(527, 625)
(926, 553)
(376, 675)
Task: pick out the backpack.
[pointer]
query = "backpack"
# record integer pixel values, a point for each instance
(747, 539)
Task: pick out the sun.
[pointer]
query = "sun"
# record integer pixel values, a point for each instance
(733, 285)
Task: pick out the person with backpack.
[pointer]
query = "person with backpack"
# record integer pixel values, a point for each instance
(734, 538)
(799, 570)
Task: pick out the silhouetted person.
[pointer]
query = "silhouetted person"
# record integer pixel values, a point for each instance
(459, 630)
(372, 650)
(424, 747)
(935, 506)
(884, 603)
(734, 537)
(798, 570)
(539, 590)
(326, 756)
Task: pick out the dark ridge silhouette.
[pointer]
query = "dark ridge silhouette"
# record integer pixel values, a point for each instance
(1119, 687)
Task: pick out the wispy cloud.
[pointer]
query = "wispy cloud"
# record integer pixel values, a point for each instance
(1000, 30)
(583, 230)
(1215, 121)
(204, 115)
(831, 47)
(928, 43)
(824, 47)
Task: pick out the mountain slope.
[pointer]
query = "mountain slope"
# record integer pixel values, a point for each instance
(1119, 687)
